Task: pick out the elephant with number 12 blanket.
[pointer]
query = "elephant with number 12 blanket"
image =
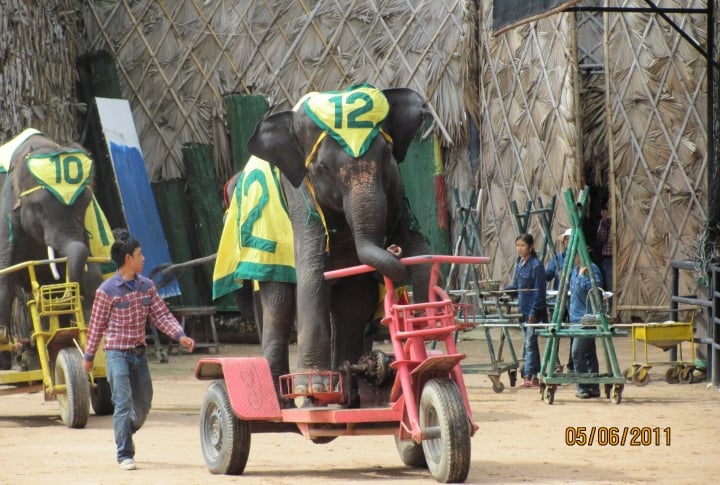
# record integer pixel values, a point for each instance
(337, 154)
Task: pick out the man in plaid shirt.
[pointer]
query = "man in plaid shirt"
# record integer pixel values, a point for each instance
(120, 311)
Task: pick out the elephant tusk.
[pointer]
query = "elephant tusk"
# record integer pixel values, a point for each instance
(53, 266)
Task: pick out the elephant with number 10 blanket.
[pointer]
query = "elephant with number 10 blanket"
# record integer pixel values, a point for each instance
(47, 211)
(341, 203)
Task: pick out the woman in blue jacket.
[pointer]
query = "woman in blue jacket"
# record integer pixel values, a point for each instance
(529, 280)
(583, 351)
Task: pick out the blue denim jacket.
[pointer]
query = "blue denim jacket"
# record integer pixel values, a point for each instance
(530, 276)
(579, 288)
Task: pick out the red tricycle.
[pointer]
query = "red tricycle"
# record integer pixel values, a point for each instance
(415, 393)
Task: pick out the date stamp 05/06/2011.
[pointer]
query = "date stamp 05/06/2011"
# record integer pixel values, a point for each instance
(617, 436)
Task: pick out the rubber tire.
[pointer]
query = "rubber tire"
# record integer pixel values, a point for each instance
(21, 325)
(548, 394)
(411, 453)
(101, 397)
(224, 439)
(686, 375)
(672, 375)
(75, 402)
(512, 376)
(641, 377)
(442, 406)
(616, 396)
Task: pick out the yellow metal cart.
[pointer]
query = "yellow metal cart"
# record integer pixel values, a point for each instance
(664, 335)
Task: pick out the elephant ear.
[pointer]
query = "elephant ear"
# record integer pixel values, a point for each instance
(274, 141)
(407, 112)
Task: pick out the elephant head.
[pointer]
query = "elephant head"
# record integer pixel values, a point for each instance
(43, 207)
(366, 188)
(339, 154)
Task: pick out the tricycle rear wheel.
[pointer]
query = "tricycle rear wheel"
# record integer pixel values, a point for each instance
(442, 410)
(101, 397)
(224, 439)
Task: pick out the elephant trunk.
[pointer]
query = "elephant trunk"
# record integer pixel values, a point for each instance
(367, 220)
(77, 253)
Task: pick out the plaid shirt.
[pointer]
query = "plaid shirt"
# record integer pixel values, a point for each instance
(120, 314)
(603, 235)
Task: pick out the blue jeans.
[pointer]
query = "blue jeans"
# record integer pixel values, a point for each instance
(132, 392)
(585, 361)
(532, 353)
(607, 268)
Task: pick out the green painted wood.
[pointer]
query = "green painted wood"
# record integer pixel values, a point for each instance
(243, 112)
(175, 216)
(207, 211)
(418, 174)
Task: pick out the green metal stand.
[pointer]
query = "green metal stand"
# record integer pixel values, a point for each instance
(613, 380)
(489, 308)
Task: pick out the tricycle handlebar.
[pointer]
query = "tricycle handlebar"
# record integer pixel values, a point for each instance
(409, 261)
(40, 262)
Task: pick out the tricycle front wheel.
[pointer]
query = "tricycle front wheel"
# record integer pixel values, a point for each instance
(443, 416)
(224, 439)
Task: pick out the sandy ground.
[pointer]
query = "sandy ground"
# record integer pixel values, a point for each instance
(521, 439)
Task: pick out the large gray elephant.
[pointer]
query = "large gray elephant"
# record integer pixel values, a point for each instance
(345, 209)
(41, 219)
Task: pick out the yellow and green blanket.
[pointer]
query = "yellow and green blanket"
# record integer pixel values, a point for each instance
(257, 238)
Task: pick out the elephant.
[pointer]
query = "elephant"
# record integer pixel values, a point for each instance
(41, 219)
(346, 206)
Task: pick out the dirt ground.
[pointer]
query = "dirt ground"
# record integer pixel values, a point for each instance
(521, 439)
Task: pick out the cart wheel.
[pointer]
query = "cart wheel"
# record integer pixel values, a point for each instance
(616, 397)
(548, 394)
(101, 397)
(512, 376)
(411, 453)
(75, 401)
(686, 375)
(442, 410)
(497, 384)
(608, 390)
(672, 375)
(628, 373)
(641, 377)
(224, 439)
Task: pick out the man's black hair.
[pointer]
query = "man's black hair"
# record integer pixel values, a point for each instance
(124, 244)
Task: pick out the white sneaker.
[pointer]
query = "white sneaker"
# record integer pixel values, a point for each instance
(128, 464)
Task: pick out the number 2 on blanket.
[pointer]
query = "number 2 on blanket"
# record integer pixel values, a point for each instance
(246, 227)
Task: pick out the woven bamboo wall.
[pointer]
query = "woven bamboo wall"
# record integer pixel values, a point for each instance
(654, 160)
(178, 58)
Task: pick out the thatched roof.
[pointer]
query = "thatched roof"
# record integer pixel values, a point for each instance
(39, 41)
(177, 59)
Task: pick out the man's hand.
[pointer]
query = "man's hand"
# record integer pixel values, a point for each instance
(87, 365)
(187, 342)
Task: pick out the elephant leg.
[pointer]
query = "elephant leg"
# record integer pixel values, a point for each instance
(354, 302)
(278, 314)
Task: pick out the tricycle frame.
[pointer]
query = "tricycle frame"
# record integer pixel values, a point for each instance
(60, 349)
(427, 408)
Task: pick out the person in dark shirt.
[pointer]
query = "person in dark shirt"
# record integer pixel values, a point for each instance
(122, 306)
(604, 236)
(529, 281)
